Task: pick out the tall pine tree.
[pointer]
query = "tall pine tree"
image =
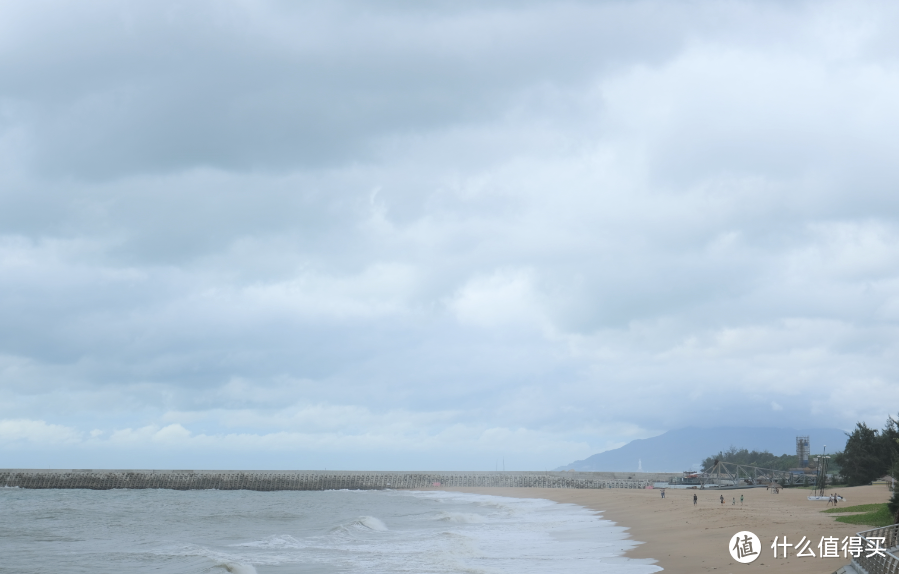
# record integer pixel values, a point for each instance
(869, 453)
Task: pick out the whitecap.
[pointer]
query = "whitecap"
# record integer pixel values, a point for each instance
(238, 568)
(461, 517)
(372, 523)
(230, 563)
(276, 541)
(361, 524)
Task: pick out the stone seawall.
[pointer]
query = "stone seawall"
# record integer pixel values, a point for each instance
(313, 480)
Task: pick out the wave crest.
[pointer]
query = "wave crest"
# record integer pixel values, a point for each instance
(461, 517)
(276, 541)
(371, 523)
(238, 568)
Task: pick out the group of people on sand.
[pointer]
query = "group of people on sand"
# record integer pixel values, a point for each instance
(833, 499)
(695, 498)
(733, 501)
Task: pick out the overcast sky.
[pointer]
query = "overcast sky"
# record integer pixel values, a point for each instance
(437, 235)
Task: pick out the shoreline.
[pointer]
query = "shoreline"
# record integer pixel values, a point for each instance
(684, 539)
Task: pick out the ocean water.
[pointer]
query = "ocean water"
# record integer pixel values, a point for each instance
(192, 532)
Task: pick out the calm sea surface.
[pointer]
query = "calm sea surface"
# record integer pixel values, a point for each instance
(165, 531)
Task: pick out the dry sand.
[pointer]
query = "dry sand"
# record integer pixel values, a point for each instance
(684, 539)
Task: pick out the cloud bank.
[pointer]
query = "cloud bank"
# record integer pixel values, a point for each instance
(377, 235)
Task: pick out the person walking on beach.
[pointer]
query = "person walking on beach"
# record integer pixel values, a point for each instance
(741, 500)
(722, 500)
(733, 501)
(694, 499)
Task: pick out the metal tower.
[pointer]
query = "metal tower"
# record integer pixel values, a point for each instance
(802, 450)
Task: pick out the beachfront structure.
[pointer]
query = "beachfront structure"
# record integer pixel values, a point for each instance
(723, 474)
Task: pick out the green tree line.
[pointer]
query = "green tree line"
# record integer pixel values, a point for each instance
(869, 453)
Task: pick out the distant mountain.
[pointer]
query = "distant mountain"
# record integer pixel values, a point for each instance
(684, 449)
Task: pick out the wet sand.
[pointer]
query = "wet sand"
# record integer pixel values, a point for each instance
(685, 539)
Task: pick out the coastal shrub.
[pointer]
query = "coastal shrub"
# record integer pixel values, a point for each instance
(893, 504)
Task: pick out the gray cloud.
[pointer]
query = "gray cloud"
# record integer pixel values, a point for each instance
(139, 88)
(463, 229)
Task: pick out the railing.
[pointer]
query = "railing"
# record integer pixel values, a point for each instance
(885, 562)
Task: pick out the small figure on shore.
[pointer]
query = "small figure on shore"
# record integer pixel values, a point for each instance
(663, 493)
(722, 500)
(694, 499)
(741, 500)
(733, 501)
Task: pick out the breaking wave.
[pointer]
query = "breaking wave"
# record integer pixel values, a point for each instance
(238, 568)
(371, 523)
(461, 517)
(278, 541)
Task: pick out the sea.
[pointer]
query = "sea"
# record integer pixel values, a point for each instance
(339, 531)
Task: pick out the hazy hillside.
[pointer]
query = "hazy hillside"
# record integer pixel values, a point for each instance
(681, 449)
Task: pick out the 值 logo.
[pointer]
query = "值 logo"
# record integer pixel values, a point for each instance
(745, 547)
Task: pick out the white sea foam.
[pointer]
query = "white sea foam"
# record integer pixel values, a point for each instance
(462, 517)
(278, 541)
(360, 526)
(238, 568)
(225, 561)
(371, 523)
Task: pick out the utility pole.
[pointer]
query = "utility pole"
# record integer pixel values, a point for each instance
(823, 471)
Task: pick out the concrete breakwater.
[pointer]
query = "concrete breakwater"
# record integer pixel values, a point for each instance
(313, 480)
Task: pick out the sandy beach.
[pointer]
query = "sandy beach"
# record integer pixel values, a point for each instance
(686, 539)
